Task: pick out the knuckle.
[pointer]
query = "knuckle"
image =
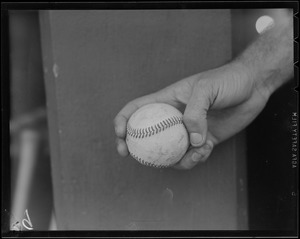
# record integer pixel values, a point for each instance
(203, 85)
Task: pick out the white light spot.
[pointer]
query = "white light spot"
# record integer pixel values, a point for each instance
(55, 70)
(264, 23)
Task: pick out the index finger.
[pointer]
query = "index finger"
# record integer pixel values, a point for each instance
(123, 116)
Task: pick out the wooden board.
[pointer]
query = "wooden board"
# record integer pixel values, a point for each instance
(94, 63)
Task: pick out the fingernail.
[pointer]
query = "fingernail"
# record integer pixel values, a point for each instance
(206, 146)
(196, 139)
(195, 157)
(209, 145)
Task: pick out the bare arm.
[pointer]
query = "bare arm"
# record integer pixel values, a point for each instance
(269, 60)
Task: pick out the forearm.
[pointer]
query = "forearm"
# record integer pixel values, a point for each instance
(268, 61)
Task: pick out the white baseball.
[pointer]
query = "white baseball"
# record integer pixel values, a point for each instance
(156, 135)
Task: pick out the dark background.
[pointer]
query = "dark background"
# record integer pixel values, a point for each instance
(271, 178)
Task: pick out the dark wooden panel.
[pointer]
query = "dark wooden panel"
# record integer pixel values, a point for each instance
(94, 63)
(27, 91)
(269, 138)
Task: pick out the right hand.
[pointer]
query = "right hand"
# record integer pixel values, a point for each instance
(219, 103)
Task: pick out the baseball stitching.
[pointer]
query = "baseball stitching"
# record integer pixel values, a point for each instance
(147, 163)
(151, 130)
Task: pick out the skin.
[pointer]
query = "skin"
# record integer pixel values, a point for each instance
(220, 102)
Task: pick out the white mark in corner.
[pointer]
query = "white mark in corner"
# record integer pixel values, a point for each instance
(26, 223)
(55, 70)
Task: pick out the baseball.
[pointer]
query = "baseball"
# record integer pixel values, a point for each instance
(156, 135)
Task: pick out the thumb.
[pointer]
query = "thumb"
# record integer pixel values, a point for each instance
(195, 114)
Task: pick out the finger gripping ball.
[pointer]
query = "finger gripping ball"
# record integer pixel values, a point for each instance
(156, 135)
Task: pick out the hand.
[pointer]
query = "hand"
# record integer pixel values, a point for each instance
(219, 103)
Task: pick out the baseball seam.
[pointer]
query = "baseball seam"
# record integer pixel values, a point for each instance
(155, 129)
(147, 163)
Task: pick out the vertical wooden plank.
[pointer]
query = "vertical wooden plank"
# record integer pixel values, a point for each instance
(27, 89)
(94, 63)
(30, 166)
(52, 110)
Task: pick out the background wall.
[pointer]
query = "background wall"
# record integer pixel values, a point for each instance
(94, 63)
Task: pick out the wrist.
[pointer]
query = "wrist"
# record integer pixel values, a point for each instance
(258, 82)
(268, 61)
